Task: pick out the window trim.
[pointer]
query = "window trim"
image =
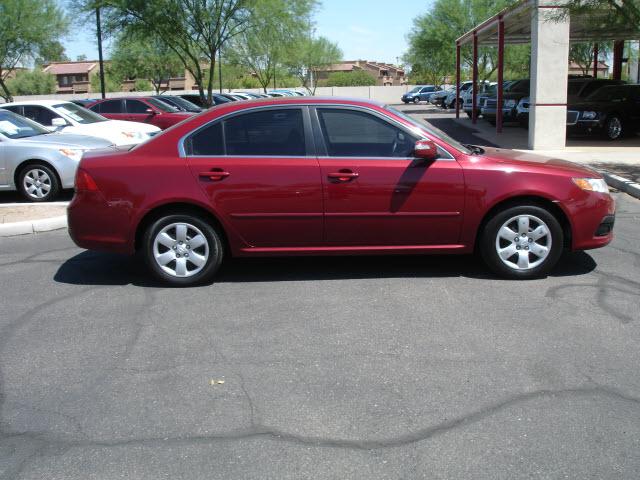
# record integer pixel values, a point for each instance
(323, 152)
(310, 145)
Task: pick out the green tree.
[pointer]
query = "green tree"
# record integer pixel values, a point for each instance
(27, 30)
(356, 78)
(112, 83)
(310, 56)
(606, 15)
(582, 55)
(134, 57)
(432, 50)
(194, 29)
(271, 37)
(34, 82)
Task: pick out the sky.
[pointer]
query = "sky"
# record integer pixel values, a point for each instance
(363, 29)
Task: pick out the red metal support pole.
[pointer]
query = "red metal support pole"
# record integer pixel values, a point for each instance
(500, 74)
(457, 79)
(595, 60)
(474, 92)
(618, 50)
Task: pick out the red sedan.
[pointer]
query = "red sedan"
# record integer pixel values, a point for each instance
(140, 109)
(324, 176)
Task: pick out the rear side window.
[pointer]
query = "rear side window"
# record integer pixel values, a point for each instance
(263, 133)
(268, 132)
(109, 106)
(206, 142)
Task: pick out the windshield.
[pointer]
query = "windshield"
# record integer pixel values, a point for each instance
(14, 126)
(165, 107)
(414, 90)
(78, 114)
(431, 129)
(186, 104)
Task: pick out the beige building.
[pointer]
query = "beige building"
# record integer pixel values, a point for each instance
(73, 77)
(603, 69)
(385, 74)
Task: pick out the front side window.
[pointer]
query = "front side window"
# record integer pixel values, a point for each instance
(268, 132)
(42, 115)
(136, 106)
(352, 133)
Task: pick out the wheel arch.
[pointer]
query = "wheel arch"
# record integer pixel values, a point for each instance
(35, 161)
(535, 200)
(179, 208)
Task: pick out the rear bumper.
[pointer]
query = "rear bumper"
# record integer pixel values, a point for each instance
(95, 224)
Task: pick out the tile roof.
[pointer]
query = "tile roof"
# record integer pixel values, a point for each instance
(70, 68)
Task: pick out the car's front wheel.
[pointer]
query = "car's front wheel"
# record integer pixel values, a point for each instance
(38, 182)
(182, 249)
(416, 100)
(613, 128)
(522, 242)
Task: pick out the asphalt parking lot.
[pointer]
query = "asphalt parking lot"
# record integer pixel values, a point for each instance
(372, 368)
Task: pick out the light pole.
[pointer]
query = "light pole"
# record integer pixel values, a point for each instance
(100, 59)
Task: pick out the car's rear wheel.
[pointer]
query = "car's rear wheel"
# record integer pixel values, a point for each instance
(522, 242)
(38, 182)
(182, 249)
(613, 128)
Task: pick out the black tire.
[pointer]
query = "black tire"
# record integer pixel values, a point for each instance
(492, 121)
(488, 243)
(469, 114)
(214, 244)
(49, 181)
(416, 100)
(614, 128)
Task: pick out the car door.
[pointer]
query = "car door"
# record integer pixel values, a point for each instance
(138, 111)
(425, 93)
(113, 109)
(258, 169)
(375, 192)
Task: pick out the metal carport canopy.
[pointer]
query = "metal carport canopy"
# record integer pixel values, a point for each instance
(517, 27)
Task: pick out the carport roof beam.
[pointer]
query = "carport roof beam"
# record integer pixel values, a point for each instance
(517, 27)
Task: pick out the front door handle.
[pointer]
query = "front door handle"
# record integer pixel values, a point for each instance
(343, 175)
(215, 174)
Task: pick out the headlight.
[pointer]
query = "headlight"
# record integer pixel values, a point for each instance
(592, 184)
(510, 103)
(72, 153)
(589, 115)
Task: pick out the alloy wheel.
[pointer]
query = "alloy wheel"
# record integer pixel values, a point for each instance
(523, 242)
(37, 183)
(181, 250)
(614, 128)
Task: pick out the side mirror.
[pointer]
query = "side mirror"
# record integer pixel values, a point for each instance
(150, 111)
(58, 122)
(426, 150)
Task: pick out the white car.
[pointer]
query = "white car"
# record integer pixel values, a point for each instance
(67, 117)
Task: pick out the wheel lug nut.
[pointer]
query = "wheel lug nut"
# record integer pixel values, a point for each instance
(518, 247)
(175, 247)
(186, 254)
(178, 255)
(526, 248)
(530, 239)
(516, 239)
(188, 246)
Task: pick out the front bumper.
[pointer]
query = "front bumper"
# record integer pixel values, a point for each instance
(593, 223)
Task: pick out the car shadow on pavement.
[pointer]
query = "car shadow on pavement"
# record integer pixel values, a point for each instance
(94, 268)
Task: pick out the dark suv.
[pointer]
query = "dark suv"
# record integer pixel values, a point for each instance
(512, 94)
(612, 110)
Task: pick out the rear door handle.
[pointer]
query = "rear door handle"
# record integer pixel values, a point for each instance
(343, 175)
(215, 174)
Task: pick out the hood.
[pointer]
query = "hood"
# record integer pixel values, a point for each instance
(520, 159)
(56, 140)
(123, 125)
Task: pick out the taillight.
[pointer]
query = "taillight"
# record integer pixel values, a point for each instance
(84, 182)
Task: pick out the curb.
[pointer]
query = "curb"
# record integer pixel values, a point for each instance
(33, 226)
(622, 184)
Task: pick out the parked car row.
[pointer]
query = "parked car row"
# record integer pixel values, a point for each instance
(42, 141)
(605, 107)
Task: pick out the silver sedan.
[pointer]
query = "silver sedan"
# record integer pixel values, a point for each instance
(36, 162)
